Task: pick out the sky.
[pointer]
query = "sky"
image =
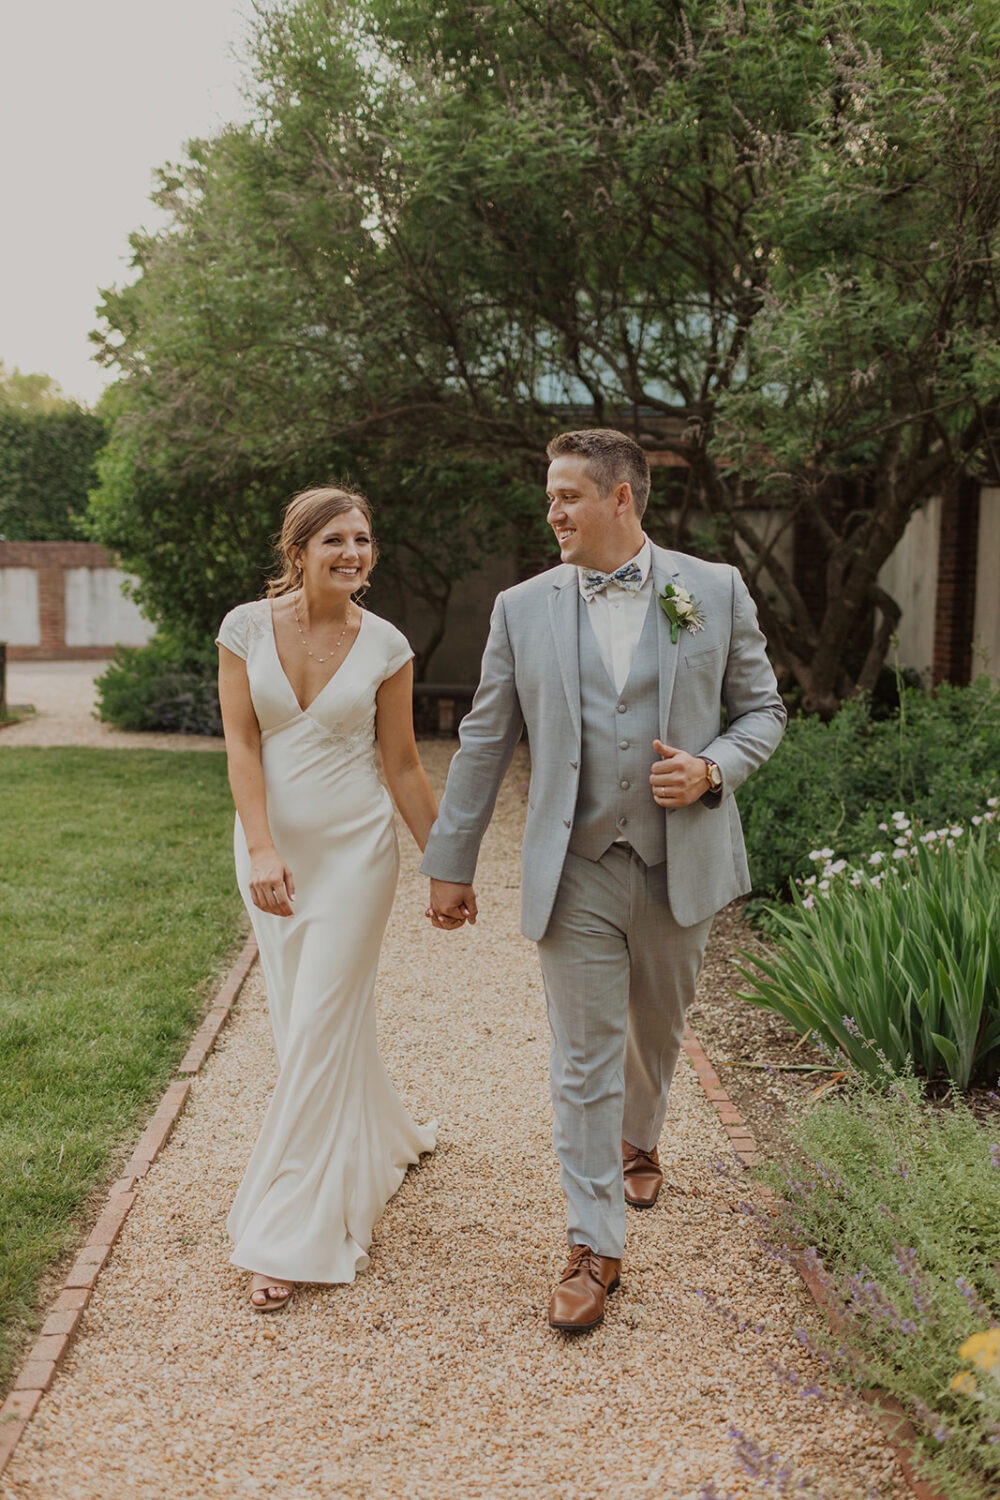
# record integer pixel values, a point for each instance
(94, 97)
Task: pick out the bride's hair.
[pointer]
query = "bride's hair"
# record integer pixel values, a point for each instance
(306, 513)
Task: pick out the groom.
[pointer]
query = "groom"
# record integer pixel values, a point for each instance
(617, 663)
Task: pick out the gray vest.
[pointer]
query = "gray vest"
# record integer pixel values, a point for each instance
(615, 799)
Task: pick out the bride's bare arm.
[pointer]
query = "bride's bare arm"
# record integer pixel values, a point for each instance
(271, 885)
(404, 773)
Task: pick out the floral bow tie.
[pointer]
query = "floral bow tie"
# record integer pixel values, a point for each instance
(628, 577)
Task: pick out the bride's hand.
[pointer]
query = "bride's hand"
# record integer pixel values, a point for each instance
(451, 905)
(271, 885)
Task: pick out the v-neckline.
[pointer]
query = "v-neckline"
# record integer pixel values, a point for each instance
(281, 666)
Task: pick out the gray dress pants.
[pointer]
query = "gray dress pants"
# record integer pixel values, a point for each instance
(619, 974)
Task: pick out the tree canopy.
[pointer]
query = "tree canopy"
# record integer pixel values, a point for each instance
(762, 239)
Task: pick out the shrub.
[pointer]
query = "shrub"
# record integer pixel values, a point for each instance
(161, 687)
(831, 783)
(897, 967)
(898, 1206)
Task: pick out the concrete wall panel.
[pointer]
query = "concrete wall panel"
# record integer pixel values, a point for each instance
(20, 622)
(910, 577)
(98, 613)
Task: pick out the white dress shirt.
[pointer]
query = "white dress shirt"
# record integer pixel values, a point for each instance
(618, 615)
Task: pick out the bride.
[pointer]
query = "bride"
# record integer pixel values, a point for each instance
(308, 681)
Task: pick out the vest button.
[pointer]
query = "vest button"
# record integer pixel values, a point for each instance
(623, 708)
(623, 785)
(623, 744)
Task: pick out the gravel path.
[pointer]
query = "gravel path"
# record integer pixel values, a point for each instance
(435, 1376)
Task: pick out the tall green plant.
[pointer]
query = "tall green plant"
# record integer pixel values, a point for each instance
(897, 971)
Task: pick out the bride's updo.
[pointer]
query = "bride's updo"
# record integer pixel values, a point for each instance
(306, 513)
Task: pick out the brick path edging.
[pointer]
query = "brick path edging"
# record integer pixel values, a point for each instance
(889, 1413)
(66, 1310)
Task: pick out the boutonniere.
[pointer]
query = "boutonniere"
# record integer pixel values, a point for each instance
(680, 609)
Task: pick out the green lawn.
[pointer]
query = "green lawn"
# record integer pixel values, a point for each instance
(118, 910)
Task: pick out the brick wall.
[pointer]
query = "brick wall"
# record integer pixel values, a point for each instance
(956, 583)
(51, 562)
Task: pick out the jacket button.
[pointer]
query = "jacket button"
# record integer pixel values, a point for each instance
(623, 744)
(623, 785)
(622, 822)
(623, 708)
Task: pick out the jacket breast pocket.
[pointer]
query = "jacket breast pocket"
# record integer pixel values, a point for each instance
(708, 657)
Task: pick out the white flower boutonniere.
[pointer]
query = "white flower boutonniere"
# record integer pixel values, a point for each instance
(680, 609)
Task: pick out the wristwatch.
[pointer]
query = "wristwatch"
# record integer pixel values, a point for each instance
(714, 775)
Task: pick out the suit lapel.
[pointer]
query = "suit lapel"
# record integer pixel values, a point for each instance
(564, 619)
(664, 572)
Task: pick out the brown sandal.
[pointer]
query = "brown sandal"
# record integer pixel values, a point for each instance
(269, 1287)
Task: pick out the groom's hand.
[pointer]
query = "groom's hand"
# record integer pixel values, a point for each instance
(677, 779)
(452, 905)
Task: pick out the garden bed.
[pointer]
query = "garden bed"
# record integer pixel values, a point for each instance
(760, 1060)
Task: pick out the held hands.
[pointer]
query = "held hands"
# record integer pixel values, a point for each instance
(677, 779)
(271, 885)
(452, 905)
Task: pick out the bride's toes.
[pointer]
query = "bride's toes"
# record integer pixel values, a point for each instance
(267, 1295)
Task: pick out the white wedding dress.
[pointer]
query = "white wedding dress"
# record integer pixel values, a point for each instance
(337, 1139)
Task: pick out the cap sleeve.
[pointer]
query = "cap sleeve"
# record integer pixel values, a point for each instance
(398, 651)
(234, 632)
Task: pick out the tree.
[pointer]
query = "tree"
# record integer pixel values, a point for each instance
(48, 445)
(761, 238)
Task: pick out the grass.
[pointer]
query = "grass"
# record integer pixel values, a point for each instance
(897, 1202)
(118, 908)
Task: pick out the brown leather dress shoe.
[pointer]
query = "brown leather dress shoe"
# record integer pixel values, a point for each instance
(588, 1280)
(643, 1177)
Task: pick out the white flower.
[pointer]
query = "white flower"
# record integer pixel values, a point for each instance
(837, 866)
(899, 817)
(883, 828)
(876, 858)
(956, 833)
(976, 820)
(680, 609)
(824, 885)
(901, 844)
(992, 801)
(929, 837)
(899, 853)
(809, 880)
(809, 902)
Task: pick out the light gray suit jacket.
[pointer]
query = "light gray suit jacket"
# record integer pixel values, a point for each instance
(531, 678)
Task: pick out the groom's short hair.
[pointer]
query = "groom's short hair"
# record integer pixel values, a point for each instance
(612, 457)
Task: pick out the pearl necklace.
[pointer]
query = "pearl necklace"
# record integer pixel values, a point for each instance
(340, 640)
